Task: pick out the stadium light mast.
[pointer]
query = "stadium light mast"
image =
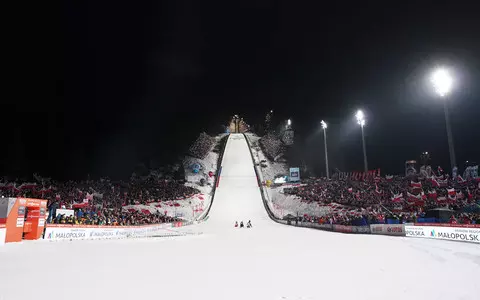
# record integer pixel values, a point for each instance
(361, 121)
(324, 127)
(442, 83)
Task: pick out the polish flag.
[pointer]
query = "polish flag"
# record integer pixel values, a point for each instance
(416, 185)
(397, 198)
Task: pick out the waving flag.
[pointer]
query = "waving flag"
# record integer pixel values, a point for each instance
(396, 198)
(416, 185)
(460, 195)
(442, 183)
(424, 197)
(442, 199)
(452, 198)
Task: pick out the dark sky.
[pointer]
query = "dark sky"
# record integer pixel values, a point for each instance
(114, 83)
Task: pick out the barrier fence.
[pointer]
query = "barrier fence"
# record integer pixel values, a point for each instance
(55, 232)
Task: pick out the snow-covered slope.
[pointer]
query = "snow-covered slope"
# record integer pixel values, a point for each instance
(268, 262)
(237, 196)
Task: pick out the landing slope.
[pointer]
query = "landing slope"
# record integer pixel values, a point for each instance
(237, 196)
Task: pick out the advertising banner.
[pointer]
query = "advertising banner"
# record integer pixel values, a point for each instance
(343, 228)
(294, 174)
(362, 229)
(462, 234)
(74, 232)
(388, 229)
(351, 229)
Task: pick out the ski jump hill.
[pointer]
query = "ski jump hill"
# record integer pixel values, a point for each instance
(270, 261)
(237, 196)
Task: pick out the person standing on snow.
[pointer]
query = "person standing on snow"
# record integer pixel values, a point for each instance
(249, 224)
(236, 224)
(241, 224)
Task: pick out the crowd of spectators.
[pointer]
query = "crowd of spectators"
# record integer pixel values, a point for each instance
(398, 199)
(202, 146)
(271, 146)
(101, 202)
(110, 217)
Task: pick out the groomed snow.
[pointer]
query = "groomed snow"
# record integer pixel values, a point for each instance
(270, 261)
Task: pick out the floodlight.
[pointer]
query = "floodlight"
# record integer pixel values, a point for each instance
(442, 82)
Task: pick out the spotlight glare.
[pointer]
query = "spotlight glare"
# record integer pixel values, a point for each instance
(324, 125)
(442, 82)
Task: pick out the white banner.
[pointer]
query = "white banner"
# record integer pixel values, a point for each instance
(66, 212)
(388, 229)
(462, 234)
(3, 234)
(70, 232)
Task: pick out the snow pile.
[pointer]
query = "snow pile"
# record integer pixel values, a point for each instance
(284, 204)
(188, 209)
(271, 146)
(269, 169)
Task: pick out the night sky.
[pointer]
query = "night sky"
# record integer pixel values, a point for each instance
(115, 83)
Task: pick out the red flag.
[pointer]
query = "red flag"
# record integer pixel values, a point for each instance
(441, 199)
(470, 196)
(452, 198)
(397, 198)
(412, 197)
(460, 195)
(424, 197)
(416, 185)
